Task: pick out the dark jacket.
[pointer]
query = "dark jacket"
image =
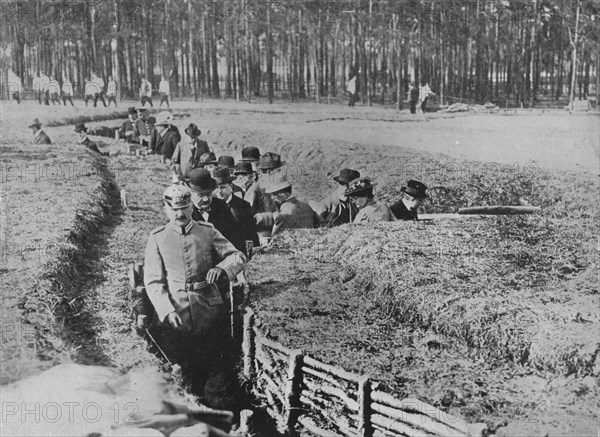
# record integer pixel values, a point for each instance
(127, 126)
(154, 137)
(92, 146)
(201, 149)
(245, 219)
(401, 212)
(222, 219)
(42, 138)
(165, 145)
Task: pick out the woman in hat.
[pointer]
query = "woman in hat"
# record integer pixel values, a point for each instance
(370, 210)
(413, 195)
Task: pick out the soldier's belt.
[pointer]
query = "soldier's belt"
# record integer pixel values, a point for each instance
(196, 286)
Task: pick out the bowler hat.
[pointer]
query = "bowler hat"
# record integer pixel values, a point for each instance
(222, 175)
(270, 161)
(80, 127)
(359, 188)
(151, 120)
(192, 130)
(280, 183)
(176, 196)
(201, 181)
(250, 153)
(226, 161)
(243, 168)
(346, 176)
(415, 189)
(36, 123)
(131, 110)
(207, 159)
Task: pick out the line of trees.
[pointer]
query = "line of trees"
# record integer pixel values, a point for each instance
(504, 51)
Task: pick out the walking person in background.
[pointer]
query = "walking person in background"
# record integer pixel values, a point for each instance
(424, 93)
(351, 88)
(111, 91)
(413, 97)
(146, 92)
(15, 87)
(44, 88)
(67, 92)
(54, 90)
(37, 88)
(99, 93)
(165, 91)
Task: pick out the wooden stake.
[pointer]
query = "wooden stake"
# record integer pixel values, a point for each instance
(292, 390)
(364, 406)
(248, 343)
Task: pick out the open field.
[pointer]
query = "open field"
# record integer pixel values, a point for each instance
(495, 319)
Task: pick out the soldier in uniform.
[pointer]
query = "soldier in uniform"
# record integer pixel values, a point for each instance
(337, 209)
(39, 136)
(142, 129)
(292, 214)
(370, 210)
(184, 262)
(240, 209)
(413, 195)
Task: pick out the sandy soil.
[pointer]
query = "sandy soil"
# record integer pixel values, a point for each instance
(316, 141)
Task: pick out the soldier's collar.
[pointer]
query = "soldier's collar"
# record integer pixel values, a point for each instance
(180, 230)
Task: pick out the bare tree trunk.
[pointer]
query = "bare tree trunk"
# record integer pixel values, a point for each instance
(574, 39)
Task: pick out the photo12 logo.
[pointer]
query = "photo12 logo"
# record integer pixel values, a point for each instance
(66, 411)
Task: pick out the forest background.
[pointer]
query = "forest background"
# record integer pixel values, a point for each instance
(508, 52)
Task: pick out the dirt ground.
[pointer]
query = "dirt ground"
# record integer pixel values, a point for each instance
(514, 156)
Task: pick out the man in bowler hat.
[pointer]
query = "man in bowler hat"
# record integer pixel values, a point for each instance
(81, 129)
(211, 209)
(413, 195)
(240, 209)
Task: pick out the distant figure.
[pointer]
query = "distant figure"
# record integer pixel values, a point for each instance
(413, 195)
(44, 87)
(424, 93)
(37, 88)
(126, 131)
(165, 91)
(99, 91)
(54, 90)
(413, 97)
(15, 87)
(142, 128)
(146, 92)
(369, 209)
(67, 92)
(111, 91)
(351, 88)
(81, 129)
(39, 136)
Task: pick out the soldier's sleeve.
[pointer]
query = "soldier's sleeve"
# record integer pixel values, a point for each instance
(155, 280)
(233, 260)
